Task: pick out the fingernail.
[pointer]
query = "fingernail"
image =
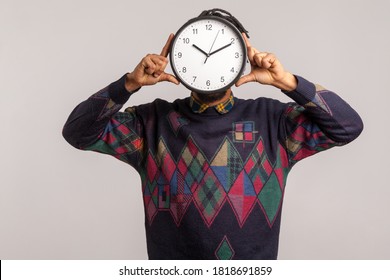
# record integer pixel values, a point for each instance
(155, 75)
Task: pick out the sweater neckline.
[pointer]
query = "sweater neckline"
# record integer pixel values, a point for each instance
(221, 108)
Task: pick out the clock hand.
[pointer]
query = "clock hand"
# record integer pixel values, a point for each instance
(202, 51)
(212, 46)
(220, 49)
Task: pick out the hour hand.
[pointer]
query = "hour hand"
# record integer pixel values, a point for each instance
(199, 49)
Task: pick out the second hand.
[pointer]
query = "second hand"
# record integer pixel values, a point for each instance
(211, 47)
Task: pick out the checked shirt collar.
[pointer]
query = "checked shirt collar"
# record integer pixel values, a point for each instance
(222, 108)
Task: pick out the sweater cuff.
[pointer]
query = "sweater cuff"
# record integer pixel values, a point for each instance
(304, 93)
(118, 92)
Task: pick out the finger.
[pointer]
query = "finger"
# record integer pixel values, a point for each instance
(148, 64)
(249, 50)
(165, 49)
(160, 62)
(272, 60)
(245, 79)
(153, 63)
(268, 60)
(247, 43)
(168, 78)
(252, 53)
(258, 59)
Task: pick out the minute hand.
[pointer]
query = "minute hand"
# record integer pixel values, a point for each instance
(220, 49)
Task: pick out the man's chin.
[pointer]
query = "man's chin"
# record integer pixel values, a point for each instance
(210, 97)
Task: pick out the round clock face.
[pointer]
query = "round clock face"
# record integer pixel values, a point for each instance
(208, 54)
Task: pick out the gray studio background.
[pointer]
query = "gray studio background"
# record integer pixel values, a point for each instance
(60, 203)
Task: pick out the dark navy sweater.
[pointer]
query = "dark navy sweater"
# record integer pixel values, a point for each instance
(213, 183)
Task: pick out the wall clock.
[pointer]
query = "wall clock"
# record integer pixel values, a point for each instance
(208, 54)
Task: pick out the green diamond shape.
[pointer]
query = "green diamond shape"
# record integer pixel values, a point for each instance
(270, 197)
(210, 189)
(152, 186)
(195, 168)
(225, 251)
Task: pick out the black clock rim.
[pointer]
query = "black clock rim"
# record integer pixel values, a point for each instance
(239, 73)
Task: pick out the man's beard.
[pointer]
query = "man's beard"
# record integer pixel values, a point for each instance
(210, 97)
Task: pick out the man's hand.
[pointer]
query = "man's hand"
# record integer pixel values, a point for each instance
(266, 69)
(151, 70)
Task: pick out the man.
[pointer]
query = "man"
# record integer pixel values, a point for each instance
(213, 168)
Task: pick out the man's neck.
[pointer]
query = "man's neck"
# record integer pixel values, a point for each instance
(225, 97)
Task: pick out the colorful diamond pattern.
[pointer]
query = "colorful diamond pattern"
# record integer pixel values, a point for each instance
(181, 197)
(151, 199)
(270, 198)
(192, 165)
(165, 161)
(242, 197)
(258, 167)
(209, 196)
(227, 164)
(152, 169)
(172, 186)
(234, 164)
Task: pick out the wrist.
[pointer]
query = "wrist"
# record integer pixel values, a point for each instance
(130, 84)
(287, 83)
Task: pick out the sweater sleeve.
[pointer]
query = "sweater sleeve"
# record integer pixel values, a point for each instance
(318, 120)
(97, 125)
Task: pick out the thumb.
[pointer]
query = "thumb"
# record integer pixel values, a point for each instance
(245, 79)
(168, 78)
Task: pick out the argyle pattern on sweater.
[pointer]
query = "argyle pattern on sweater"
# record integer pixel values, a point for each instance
(213, 184)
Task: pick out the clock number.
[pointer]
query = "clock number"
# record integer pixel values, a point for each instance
(208, 83)
(195, 31)
(233, 40)
(237, 55)
(222, 79)
(194, 77)
(232, 70)
(209, 27)
(186, 40)
(184, 70)
(223, 31)
(179, 55)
